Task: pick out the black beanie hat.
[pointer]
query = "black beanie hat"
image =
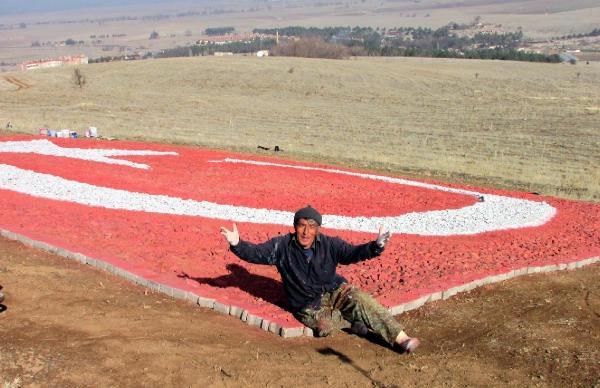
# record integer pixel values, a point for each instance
(308, 213)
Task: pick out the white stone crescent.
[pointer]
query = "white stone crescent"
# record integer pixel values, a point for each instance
(489, 213)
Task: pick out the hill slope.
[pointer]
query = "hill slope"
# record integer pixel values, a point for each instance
(525, 125)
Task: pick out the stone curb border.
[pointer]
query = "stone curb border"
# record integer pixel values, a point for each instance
(265, 324)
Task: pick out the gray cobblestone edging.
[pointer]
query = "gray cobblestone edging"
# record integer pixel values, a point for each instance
(264, 324)
(445, 294)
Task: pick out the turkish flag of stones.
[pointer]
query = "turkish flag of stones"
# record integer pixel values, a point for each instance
(152, 213)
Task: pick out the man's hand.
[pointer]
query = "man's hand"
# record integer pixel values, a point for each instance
(232, 236)
(383, 237)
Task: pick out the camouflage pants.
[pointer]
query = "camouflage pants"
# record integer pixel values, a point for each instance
(348, 304)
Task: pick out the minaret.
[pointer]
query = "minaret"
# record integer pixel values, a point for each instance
(276, 36)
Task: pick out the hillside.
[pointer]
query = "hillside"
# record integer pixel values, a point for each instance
(534, 127)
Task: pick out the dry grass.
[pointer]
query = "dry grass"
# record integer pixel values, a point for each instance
(530, 126)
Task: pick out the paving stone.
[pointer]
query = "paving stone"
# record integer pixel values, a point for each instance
(192, 297)
(140, 280)
(49, 248)
(589, 261)
(274, 328)
(236, 311)
(395, 310)
(292, 332)
(34, 243)
(415, 304)
(101, 264)
(122, 273)
(179, 294)
(244, 316)
(167, 290)
(80, 257)
(451, 292)
(265, 324)
(494, 279)
(308, 332)
(549, 268)
(254, 320)
(520, 271)
(221, 308)
(59, 251)
(206, 302)
(471, 285)
(562, 267)
(533, 270)
(572, 265)
(7, 234)
(435, 296)
(109, 268)
(154, 286)
(134, 278)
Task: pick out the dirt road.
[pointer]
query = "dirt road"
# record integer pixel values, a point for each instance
(17, 82)
(67, 324)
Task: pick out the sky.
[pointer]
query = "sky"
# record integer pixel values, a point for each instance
(9, 7)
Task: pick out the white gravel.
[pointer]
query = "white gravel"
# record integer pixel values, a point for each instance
(493, 213)
(46, 147)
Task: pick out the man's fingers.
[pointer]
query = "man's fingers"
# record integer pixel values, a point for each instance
(232, 236)
(384, 236)
(383, 232)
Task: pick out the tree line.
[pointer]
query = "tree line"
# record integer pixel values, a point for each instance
(341, 42)
(594, 32)
(241, 47)
(419, 42)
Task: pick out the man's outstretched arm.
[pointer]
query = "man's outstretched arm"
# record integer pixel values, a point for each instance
(349, 253)
(264, 253)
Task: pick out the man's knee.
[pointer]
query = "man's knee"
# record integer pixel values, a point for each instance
(360, 297)
(323, 322)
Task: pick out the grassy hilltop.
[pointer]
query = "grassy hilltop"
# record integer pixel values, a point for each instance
(515, 125)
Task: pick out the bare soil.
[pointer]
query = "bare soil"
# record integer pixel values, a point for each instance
(67, 324)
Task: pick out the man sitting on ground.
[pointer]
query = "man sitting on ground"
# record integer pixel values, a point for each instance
(320, 298)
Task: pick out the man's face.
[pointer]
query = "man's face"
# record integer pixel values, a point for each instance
(306, 232)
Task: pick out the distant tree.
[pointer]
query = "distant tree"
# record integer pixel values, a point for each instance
(70, 42)
(78, 78)
(219, 31)
(154, 35)
(311, 48)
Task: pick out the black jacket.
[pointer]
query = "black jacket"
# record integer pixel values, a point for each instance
(304, 280)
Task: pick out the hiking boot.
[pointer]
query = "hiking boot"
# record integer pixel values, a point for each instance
(359, 329)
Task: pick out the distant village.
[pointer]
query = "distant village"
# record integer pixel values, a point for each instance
(475, 40)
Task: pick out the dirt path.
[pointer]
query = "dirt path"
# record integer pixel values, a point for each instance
(17, 82)
(67, 324)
